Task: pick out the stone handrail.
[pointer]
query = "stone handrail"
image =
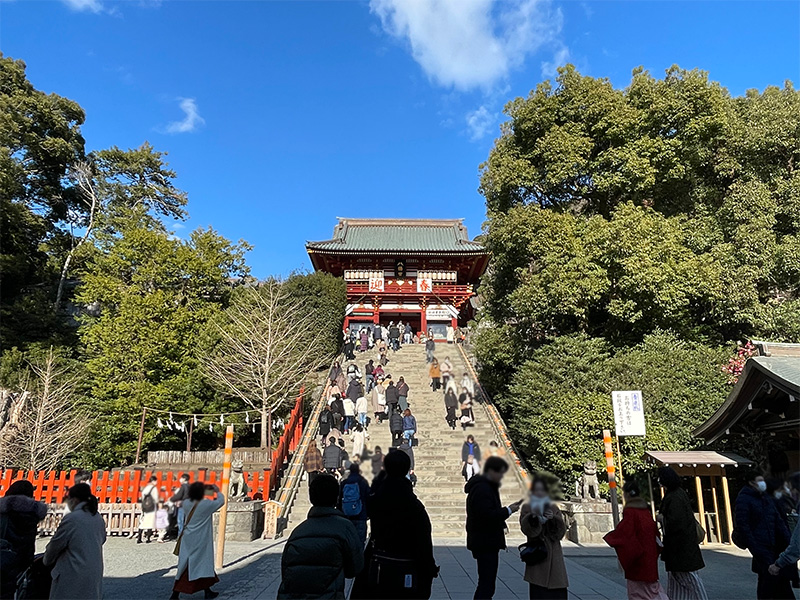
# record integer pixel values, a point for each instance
(498, 424)
(284, 497)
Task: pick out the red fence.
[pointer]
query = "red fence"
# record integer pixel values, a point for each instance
(292, 434)
(122, 487)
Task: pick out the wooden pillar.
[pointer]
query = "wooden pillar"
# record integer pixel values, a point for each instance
(701, 509)
(652, 498)
(223, 489)
(717, 520)
(727, 500)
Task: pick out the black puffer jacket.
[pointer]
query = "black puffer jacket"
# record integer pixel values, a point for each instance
(19, 521)
(681, 551)
(321, 552)
(486, 515)
(760, 527)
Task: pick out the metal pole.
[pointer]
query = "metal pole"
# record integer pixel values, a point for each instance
(141, 435)
(612, 478)
(619, 460)
(189, 439)
(652, 498)
(223, 513)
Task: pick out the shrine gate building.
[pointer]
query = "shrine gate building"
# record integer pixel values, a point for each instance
(419, 271)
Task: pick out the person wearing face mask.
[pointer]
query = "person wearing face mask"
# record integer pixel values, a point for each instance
(681, 553)
(76, 551)
(760, 529)
(542, 523)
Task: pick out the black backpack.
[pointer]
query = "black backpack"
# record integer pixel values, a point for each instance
(148, 504)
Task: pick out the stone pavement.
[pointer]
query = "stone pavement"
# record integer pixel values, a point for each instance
(252, 571)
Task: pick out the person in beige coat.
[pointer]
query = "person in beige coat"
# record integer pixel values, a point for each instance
(75, 552)
(542, 521)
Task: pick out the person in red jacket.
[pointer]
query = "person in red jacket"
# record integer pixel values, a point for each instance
(636, 542)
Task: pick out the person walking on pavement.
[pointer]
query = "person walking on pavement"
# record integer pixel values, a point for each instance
(430, 348)
(75, 552)
(402, 394)
(353, 492)
(486, 523)
(19, 522)
(543, 525)
(377, 461)
(399, 562)
(149, 502)
(681, 551)
(323, 550)
(636, 542)
(180, 495)
(760, 529)
(195, 570)
(312, 462)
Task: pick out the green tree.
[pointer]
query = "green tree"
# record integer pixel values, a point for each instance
(150, 296)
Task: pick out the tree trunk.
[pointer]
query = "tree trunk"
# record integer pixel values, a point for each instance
(263, 427)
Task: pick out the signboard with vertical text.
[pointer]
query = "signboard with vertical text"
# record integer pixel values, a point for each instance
(628, 412)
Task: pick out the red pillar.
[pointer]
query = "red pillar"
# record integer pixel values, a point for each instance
(454, 323)
(424, 321)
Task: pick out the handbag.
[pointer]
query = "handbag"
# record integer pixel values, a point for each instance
(533, 552)
(699, 532)
(390, 573)
(177, 550)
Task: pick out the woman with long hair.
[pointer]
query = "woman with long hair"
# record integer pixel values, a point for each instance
(196, 557)
(76, 551)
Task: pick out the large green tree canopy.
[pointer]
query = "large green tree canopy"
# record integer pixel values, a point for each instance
(619, 214)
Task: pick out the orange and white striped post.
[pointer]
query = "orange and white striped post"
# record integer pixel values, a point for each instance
(612, 475)
(223, 513)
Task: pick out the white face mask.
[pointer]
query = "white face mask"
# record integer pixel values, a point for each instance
(762, 486)
(778, 495)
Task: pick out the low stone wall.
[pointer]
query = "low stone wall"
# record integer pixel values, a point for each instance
(588, 522)
(245, 521)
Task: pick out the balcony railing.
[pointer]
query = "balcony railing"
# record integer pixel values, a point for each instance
(409, 287)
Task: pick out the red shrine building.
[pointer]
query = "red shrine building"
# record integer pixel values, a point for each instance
(419, 271)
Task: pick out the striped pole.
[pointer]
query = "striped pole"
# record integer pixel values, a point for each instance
(612, 477)
(223, 513)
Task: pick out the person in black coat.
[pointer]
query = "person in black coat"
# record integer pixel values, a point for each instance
(761, 530)
(392, 397)
(396, 425)
(19, 520)
(451, 406)
(470, 447)
(325, 421)
(354, 390)
(486, 523)
(337, 406)
(401, 532)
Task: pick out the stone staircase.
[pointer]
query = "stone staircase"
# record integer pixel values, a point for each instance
(440, 485)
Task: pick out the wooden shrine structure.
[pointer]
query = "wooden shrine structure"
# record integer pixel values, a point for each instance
(419, 271)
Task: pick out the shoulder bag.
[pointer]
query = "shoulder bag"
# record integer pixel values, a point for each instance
(177, 550)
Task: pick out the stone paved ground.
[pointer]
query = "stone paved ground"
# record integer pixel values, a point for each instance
(252, 571)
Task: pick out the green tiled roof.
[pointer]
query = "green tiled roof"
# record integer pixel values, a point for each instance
(400, 235)
(783, 368)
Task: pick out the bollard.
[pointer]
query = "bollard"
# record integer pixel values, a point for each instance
(612, 478)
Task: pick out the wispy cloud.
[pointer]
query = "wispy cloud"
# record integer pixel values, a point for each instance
(93, 6)
(469, 44)
(479, 122)
(191, 120)
(560, 58)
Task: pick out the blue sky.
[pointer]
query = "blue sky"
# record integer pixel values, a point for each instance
(280, 116)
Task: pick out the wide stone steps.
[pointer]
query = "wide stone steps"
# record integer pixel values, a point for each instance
(440, 486)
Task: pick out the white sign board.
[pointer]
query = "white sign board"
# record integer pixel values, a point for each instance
(438, 314)
(375, 284)
(628, 412)
(424, 285)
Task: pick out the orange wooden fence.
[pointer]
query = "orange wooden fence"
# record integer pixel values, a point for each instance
(123, 487)
(292, 434)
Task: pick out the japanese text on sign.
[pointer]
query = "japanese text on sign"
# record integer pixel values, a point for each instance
(628, 412)
(376, 284)
(424, 285)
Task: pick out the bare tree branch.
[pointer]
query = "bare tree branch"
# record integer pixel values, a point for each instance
(267, 350)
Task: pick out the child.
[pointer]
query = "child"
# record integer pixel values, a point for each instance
(162, 522)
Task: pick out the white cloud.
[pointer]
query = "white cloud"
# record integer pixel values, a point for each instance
(479, 122)
(95, 6)
(468, 44)
(190, 122)
(560, 58)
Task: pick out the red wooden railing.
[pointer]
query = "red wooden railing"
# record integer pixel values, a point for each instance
(292, 434)
(120, 486)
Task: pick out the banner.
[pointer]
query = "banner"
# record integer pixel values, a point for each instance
(376, 284)
(424, 285)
